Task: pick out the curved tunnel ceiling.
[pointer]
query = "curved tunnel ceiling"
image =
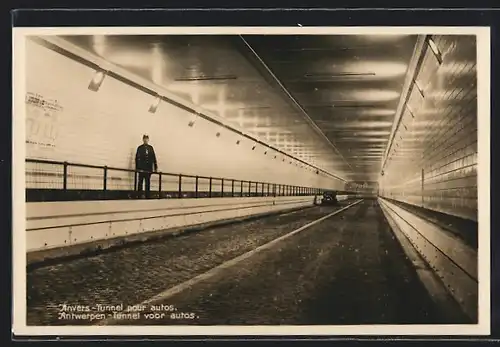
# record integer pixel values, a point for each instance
(338, 94)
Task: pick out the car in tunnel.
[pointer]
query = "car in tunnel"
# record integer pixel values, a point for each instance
(329, 198)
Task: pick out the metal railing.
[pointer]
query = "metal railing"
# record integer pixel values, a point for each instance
(54, 180)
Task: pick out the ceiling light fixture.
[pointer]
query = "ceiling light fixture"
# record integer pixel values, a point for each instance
(418, 87)
(155, 104)
(206, 78)
(193, 120)
(435, 50)
(96, 82)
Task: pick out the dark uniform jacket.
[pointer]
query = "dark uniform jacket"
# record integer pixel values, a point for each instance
(145, 158)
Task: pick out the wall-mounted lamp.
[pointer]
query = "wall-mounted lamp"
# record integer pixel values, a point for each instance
(265, 152)
(192, 121)
(155, 104)
(275, 157)
(421, 91)
(218, 134)
(435, 50)
(253, 148)
(238, 142)
(96, 82)
(409, 108)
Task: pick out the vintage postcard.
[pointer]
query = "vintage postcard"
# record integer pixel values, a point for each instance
(211, 181)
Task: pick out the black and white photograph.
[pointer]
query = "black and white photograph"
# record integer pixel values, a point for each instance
(239, 181)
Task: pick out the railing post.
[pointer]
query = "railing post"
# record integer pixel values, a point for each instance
(210, 187)
(180, 187)
(241, 188)
(232, 188)
(159, 185)
(222, 188)
(422, 188)
(262, 189)
(196, 187)
(249, 188)
(105, 183)
(65, 176)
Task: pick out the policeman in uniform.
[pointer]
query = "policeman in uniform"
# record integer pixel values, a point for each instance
(145, 162)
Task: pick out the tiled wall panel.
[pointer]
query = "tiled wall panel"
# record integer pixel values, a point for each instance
(433, 160)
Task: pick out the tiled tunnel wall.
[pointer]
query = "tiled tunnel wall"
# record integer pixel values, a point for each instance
(433, 159)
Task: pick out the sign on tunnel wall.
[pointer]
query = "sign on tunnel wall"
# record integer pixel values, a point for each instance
(41, 121)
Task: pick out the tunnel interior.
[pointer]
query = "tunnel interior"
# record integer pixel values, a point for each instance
(267, 124)
(345, 111)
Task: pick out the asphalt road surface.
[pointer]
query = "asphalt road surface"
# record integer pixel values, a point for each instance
(347, 269)
(130, 275)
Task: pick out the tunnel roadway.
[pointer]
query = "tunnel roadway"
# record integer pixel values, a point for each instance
(347, 269)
